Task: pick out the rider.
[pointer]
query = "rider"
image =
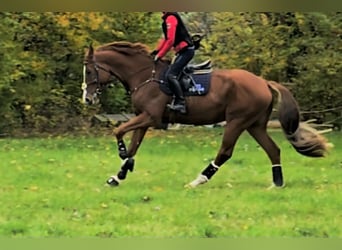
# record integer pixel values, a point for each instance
(176, 36)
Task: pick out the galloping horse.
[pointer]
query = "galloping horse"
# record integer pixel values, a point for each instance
(238, 97)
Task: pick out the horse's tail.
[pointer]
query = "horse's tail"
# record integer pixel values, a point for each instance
(305, 139)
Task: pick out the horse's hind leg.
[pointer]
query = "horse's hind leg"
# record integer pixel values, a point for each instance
(232, 131)
(259, 133)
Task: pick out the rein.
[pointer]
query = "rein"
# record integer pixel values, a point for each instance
(151, 79)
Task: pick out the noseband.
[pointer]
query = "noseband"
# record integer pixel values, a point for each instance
(99, 85)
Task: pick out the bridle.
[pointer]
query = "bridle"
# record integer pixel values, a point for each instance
(100, 85)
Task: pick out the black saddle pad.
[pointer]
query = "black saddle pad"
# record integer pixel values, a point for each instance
(199, 86)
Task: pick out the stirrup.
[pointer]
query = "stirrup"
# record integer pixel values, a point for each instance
(177, 107)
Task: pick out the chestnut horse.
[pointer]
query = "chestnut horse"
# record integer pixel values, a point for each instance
(238, 97)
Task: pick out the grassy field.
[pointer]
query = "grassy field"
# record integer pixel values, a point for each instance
(55, 187)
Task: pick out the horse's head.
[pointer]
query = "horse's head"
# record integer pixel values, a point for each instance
(129, 63)
(95, 78)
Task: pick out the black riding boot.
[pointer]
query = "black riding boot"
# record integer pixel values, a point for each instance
(179, 102)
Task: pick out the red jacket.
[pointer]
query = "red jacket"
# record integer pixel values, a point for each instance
(167, 43)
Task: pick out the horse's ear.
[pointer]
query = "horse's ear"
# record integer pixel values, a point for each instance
(91, 50)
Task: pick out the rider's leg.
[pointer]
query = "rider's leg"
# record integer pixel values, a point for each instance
(179, 102)
(182, 59)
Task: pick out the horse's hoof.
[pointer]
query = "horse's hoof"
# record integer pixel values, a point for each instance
(113, 181)
(188, 186)
(201, 179)
(274, 186)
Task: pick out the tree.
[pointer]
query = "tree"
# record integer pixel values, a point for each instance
(42, 58)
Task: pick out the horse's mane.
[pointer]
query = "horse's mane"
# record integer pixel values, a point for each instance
(127, 48)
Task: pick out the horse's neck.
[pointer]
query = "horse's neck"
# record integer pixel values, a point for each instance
(129, 71)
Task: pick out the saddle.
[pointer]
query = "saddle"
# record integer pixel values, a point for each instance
(194, 79)
(206, 65)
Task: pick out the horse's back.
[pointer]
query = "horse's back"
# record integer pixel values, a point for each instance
(233, 93)
(243, 83)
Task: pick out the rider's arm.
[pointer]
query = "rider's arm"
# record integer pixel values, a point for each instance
(160, 44)
(166, 45)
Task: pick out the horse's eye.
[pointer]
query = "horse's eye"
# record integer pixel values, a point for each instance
(88, 72)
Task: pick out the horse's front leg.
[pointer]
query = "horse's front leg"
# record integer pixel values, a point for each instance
(140, 125)
(128, 160)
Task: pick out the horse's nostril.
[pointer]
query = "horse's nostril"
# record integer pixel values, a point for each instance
(88, 101)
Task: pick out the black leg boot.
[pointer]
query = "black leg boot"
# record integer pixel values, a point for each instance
(179, 102)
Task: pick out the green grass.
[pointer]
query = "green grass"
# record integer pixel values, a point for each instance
(55, 187)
